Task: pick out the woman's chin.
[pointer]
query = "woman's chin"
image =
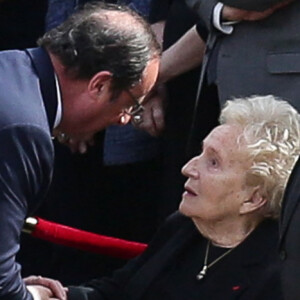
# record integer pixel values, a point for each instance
(184, 208)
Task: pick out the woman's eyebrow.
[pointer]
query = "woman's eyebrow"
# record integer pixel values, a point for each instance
(211, 149)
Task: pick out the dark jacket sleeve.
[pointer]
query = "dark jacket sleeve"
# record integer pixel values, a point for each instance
(159, 10)
(114, 287)
(202, 31)
(25, 171)
(204, 10)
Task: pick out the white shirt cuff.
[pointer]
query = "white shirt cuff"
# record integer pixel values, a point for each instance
(225, 27)
(33, 291)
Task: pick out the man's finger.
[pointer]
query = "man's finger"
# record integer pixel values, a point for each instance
(158, 120)
(55, 286)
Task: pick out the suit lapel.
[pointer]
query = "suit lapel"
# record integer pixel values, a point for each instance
(44, 69)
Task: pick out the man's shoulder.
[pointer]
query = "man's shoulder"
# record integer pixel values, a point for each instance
(20, 94)
(11, 57)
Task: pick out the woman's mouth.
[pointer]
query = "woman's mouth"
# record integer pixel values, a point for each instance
(189, 191)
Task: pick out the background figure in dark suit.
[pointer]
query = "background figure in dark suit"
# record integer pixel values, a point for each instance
(64, 88)
(289, 245)
(257, 55)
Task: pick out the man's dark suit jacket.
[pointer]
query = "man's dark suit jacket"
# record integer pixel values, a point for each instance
(258, 58)
(290, 237)
(250, 271)
(27, 113)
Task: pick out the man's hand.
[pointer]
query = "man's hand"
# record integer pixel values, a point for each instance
(41, 293)
(158, 29)
(45, 288)
(153, 115)
(234, 14)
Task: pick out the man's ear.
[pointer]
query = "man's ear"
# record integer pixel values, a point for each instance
(99, 83)
(255, 202)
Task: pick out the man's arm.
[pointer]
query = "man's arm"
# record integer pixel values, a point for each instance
(253, 5)
(186, 54)
(204, 9)
(26, 159)
(236, 14)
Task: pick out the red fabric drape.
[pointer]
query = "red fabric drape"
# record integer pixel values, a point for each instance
(87, 241)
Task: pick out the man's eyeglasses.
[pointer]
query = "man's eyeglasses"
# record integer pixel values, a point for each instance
(136, 110)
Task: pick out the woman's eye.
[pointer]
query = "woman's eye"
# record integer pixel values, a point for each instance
(213, 162)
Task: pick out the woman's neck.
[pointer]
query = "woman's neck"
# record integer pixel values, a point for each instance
(226, 233)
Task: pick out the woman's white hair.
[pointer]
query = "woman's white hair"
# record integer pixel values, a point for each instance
(271, 131)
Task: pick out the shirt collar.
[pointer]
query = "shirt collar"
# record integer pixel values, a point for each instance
(59, 104)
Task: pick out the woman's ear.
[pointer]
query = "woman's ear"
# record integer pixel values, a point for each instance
(99, 84)
(255, 202)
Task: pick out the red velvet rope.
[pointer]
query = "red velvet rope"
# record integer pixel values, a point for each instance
(87, 241)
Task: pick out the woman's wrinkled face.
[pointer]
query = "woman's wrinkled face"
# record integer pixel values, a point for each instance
(216, 187)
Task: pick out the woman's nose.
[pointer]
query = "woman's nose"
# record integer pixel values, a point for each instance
(190, 168)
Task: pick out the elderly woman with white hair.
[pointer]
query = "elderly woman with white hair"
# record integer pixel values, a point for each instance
(222, 243)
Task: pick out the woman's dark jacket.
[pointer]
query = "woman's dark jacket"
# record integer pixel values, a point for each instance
(168, 268)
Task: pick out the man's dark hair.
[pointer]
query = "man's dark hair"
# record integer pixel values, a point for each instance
(97, 38)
